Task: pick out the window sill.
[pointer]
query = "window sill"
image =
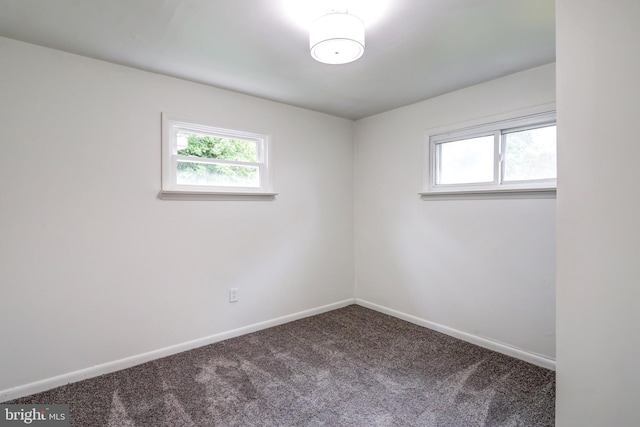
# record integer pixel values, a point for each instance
(194, 195)
(511, 193)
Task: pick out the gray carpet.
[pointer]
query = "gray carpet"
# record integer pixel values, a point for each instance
(348, 367)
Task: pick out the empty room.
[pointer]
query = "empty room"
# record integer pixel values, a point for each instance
(319, 213)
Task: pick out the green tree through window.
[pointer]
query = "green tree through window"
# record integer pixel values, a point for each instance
(214, 147)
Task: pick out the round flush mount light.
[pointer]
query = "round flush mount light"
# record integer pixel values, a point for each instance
(337, 38)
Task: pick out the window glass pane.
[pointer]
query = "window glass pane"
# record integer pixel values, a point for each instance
(215, 147)
(530, 154)
(466, 161)
(192, 173)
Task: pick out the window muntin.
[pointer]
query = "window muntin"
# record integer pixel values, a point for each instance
(511, 154)
(207, 159)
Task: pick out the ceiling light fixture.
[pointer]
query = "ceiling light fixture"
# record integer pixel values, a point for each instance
(337, 38)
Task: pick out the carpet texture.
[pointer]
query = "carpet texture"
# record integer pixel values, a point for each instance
(348, 367)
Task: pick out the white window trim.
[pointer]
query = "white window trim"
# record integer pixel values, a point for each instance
(526, 118)
(173, 191)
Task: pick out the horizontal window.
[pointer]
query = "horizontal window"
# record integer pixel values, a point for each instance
(207, 159)
(508, 155)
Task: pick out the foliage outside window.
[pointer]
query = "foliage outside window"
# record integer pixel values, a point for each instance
(206, 159)
(510, 155)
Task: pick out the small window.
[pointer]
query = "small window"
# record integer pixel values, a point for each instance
(206, 159)
(516, 154)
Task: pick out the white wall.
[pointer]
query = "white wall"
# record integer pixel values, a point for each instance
(598, 213)
(481, 267)
(95, 268)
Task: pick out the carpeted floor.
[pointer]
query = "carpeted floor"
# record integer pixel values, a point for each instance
(348, 367)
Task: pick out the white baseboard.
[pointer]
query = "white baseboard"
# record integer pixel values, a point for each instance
(533, 358)
(116, 365)
(106, 368)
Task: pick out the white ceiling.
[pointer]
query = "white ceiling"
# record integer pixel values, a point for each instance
(415, 49)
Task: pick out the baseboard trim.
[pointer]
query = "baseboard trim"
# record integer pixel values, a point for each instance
(507, 349)
(116, 365)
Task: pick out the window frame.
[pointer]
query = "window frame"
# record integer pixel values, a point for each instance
(172, 124)
(498, 127)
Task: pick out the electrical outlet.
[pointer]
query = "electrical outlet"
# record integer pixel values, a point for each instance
(233, 295)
